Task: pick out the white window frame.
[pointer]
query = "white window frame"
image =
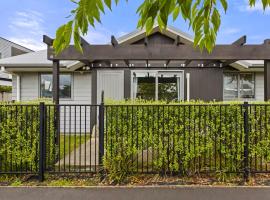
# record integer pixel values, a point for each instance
(72, 85)
(181, 93)
(238, 86)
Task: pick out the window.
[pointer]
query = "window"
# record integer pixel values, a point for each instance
(239, 86)
(64, 86)
(145, 87)
(168, 87)
(157, 85)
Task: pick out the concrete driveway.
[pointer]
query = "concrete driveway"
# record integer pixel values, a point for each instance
(135, 193)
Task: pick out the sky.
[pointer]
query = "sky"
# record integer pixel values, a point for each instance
(25, 21)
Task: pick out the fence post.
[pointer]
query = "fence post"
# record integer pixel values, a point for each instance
(101, 129)
(246, 141)
(41, 140)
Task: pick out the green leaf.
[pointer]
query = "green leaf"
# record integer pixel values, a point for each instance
(224, 5)
(149, 25)
(109, 3)
(176, 13)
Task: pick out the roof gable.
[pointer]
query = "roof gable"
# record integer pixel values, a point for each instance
(166, 37)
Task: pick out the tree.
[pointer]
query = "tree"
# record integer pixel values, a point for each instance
(203, 17)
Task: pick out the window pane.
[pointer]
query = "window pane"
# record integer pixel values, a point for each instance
(145, 88)
(230, 86)
(247, 85)
(46, 86)
(64, 86)
(167, 88)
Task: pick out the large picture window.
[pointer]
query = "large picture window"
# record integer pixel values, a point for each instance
(157, 86)
(239, 86)
(64, 86)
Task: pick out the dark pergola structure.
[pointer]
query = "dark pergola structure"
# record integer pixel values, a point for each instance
(159, 52)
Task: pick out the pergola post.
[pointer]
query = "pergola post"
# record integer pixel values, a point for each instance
(266, 80)
(56, 81)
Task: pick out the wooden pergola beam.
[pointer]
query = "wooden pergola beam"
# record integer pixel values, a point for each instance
(146, 42)
(114, 41)
(47, 40)
(167, 63)
(187, 62)
(127, 62)
(55, 88)
(163, 52)
(83, 42)
(239, 42)
(177, 40)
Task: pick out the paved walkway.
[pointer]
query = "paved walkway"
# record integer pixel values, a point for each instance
(135, 193)
(85, 155)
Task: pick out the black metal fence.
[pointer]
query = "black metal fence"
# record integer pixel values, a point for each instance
(188, 139)
(173, 139)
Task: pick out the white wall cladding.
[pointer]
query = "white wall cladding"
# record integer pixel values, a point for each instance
(259, 86)
(81, 89)
(76, 119)
(112, 82)
(81, 94)
(5, 48)
(14, 87)
(29, 86)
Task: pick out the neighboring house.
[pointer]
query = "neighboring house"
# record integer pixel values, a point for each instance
(166, 80)
(9, 49)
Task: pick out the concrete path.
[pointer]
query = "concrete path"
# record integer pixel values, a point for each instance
(135, 193)
(85, 155)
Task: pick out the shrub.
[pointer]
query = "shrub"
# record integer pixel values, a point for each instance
(185, 138)
(4, 88)
(19, 136)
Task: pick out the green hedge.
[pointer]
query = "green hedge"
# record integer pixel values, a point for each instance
(4, 88)
(192, 138)
(19, 136)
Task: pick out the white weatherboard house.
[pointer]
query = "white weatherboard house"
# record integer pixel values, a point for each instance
(9, 49)
(81, 83)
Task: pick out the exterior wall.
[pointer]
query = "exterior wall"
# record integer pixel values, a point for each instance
(81, 94)
(112, 83)
(5, 83)
(14, 88)
(80, 89)
(29, 86)
(259, 86)
(6, 48)
(205, 84)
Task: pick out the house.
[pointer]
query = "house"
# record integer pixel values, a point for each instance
(81, 82)
(9, 49)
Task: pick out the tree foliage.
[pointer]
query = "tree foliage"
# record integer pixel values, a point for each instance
(203, 17)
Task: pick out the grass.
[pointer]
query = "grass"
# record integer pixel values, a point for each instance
(68, 143)
(133, 180)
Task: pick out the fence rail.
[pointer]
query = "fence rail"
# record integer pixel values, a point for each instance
(172, 139)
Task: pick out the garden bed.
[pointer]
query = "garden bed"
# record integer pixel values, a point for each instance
(140, 180)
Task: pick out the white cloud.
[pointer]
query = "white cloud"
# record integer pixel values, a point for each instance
(101, 35)
(230, 31)
(98, 35)
(29, 43)
(27, 29)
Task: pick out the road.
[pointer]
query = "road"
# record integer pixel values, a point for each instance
(135, 193)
